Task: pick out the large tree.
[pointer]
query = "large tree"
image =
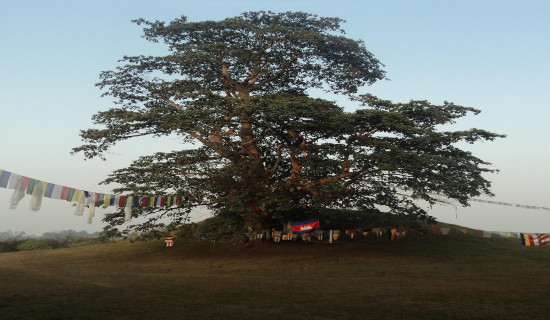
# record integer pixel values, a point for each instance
(258, 146)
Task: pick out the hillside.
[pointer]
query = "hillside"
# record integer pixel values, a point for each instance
(417, 277)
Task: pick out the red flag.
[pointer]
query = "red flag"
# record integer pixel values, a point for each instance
(305, 226)
(64, 193)
(122, 201)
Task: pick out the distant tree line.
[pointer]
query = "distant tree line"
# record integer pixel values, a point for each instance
(11, 241)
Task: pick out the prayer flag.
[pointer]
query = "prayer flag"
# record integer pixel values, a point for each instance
(14, 180)
(56, 192)
(36, 200)
(106, 200)
(78, 195)
(128, 208)
(352, 233)
(79, 210)
(44, 185)
(534, 239)
(305, 226)
(4, 179)
(319, 234)
(30, 185)
(277, 236)
(70, 194)
(18, 192)
(91, 208)
(112, 201)
(100, 199)
(64, 193)
(26, 181)
(169, 241)
(122, 200)
(397, 233)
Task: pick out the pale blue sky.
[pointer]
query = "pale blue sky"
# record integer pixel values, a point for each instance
(492, 55)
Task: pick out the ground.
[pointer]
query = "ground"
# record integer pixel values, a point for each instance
(420, 277)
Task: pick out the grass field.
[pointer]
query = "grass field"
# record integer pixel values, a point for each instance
(422, 277)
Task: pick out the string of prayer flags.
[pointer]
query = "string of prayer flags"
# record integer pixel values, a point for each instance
(397, 233)
(508, 204)
(534, 239)
(351, 233)
(38, 189)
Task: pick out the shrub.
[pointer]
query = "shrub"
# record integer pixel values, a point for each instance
(34, 244)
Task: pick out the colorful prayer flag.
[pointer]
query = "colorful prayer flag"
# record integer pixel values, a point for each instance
(49, 190)
(78, 195)
(70, 194)
(122, 200)
(4, 178)
(534, 239)
(64, 193)
(101, 199)
(128, 208)
(14, 180)
(397, 233)
(169, 241)
(106, 200)
(30, 186)
(112, 200)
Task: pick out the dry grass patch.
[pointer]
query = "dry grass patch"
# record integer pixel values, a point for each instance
(428, 277)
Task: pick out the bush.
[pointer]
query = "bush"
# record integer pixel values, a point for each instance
(10, 245)
(34, 244)
(214, 229)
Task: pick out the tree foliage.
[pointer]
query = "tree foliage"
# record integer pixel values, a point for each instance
(260, 147)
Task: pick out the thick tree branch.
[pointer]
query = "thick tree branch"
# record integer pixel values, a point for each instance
(279, 158)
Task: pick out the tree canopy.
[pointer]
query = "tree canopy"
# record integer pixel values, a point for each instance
(260, 148)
